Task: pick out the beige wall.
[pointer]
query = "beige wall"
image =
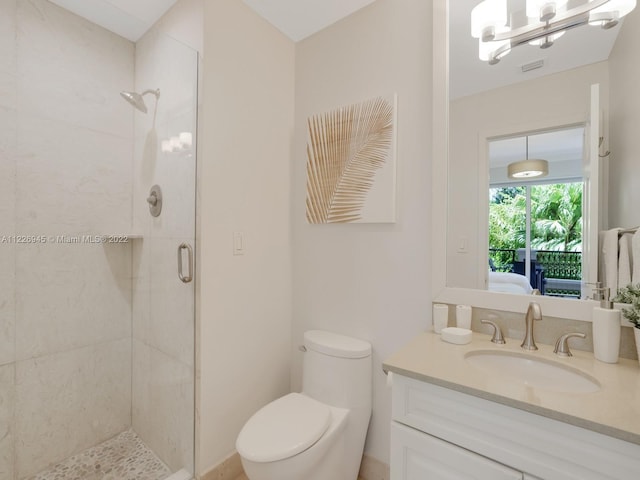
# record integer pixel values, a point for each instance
(367, 280)
(245, 301)
(518, 108)
(624, 167)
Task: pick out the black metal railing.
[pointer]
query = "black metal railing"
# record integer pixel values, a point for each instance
(565, 265)
(556, 264)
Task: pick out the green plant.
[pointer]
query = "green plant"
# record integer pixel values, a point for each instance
(556, 217)
(631, 295)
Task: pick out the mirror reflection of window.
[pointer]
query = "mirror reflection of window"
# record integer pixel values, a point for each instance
(536, 222)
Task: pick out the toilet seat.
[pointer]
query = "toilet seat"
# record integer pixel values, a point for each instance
(283, 428)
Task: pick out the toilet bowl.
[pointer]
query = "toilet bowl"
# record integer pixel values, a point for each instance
(317, 434)
(290, 437)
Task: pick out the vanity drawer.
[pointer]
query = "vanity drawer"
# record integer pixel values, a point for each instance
(418, 456)
(527, 442)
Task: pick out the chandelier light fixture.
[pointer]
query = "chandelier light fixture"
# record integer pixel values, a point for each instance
(543, 21)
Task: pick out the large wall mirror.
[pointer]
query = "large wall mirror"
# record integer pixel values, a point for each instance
(575, 104)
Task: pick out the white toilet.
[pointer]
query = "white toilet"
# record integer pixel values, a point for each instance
(317, 434)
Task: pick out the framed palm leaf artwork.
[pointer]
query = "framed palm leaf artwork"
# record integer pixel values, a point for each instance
(351, 163)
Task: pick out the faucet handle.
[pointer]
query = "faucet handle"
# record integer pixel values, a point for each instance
(562, 345)
(497, 333)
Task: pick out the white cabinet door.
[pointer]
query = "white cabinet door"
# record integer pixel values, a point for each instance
(418, 456)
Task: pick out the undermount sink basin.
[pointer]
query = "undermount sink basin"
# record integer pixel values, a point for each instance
(532, 371)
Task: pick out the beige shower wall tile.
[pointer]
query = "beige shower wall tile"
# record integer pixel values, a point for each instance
(7, 231)
(70, 296)
(72, 70)
(175, 172)
(175, 114)
(7, 304)
(8, 138)
(141, 299)
(71, 180)
(70, 401)
(163, 306)
(171, 323)
(163, 399)
(171, 66)
(145, 155)
(7, 407)
(47, 31)
(8, 83)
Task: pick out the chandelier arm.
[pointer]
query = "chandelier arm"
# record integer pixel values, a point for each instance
(571, 18)
(545, 31)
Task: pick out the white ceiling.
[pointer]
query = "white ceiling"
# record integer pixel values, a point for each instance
(469, 75)
(297, 19)
(563, 149)
(555, 146)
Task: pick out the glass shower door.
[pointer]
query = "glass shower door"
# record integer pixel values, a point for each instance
(163, 269)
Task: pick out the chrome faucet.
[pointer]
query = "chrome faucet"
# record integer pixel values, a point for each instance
(534, 312)
(497, 337)
(562, 346)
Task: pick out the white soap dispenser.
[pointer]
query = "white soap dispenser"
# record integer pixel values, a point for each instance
(606, 328)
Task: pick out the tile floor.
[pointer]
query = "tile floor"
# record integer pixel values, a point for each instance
(124, 457)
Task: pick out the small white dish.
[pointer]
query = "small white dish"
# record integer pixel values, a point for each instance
(459, 336)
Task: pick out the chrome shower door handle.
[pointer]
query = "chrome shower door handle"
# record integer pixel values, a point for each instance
(185, 278)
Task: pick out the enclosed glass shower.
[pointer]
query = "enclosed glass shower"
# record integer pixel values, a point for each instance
(97, 230)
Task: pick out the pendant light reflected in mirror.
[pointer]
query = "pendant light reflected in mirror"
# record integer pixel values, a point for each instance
(528, 168)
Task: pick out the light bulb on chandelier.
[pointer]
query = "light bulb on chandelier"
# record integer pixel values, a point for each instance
(546, 21)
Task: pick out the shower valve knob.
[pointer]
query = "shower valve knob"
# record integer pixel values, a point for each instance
(155, 200)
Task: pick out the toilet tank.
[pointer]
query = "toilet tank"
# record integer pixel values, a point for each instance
(337, 369)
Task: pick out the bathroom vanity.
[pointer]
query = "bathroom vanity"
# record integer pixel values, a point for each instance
(454, 417)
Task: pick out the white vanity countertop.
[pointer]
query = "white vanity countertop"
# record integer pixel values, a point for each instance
(614, 410)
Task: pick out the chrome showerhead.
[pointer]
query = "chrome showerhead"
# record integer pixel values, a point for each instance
(136, 100)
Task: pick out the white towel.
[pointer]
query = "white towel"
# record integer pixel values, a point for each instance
(635, 249)
(625, 261)
(609, 259)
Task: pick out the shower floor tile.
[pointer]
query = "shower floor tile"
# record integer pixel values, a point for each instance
(124, 457)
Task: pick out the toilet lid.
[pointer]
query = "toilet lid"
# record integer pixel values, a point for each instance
(283, 428)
